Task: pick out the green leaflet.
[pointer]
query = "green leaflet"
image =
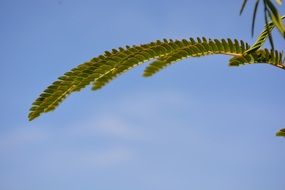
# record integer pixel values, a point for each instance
(254, 17)
(254, 14)
(242, 6)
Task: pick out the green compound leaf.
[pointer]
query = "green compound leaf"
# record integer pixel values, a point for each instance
(99, 71)
(196, 49)
(102, 69)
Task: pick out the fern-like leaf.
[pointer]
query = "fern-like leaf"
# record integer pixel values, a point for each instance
(102, 69)
(136, 55)
(196, 49)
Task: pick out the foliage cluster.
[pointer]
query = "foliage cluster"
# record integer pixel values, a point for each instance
(102, 69)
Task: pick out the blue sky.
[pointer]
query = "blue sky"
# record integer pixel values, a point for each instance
(196, 125)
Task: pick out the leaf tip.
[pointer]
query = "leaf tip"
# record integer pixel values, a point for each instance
(146, 74)
(32, 116)
(281, 133)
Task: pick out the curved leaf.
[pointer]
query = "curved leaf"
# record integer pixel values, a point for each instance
(195, 49)
(242, 6)
(102, 69)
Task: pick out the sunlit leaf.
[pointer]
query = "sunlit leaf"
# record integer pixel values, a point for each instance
(102, 69)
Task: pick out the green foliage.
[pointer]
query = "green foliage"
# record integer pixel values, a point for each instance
(102, 69)
(270, 11)
(197, 49)
(263, 36)
(274, 58)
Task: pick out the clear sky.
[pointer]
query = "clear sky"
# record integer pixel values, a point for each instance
(198, 124)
